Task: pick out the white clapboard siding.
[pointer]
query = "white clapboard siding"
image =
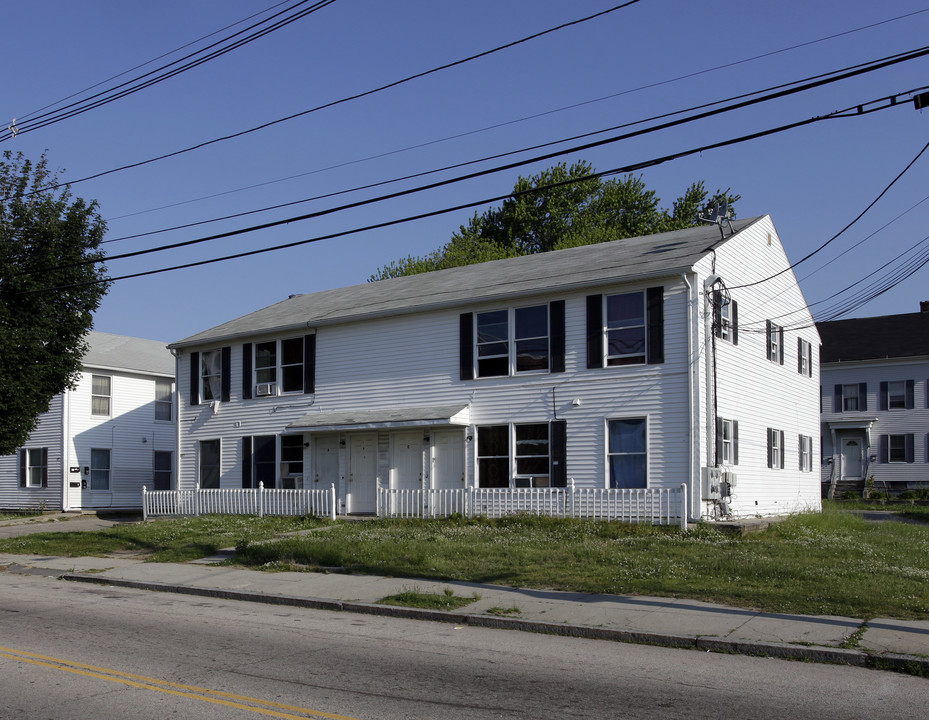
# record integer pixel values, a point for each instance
(46, 435)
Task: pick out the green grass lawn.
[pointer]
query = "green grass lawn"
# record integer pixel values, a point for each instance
(832, 563)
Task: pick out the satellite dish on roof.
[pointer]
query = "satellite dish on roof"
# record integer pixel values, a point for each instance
(719, 215)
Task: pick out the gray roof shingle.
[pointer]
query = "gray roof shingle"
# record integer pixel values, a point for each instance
(128, 353)
(590, 265)
(875, 338)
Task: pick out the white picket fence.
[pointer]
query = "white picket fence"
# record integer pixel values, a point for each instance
(258, 501)
(656, 506)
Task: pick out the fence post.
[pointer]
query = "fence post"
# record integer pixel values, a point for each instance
(332, 499)
(684, 507)
(144, 505)
(261, 493)
(377, 498)
(468, 501)
(573, 506)
(197, 499)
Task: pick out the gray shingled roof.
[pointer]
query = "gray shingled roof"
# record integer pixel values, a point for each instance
(875, 338)
(587, 266)
(128, 353)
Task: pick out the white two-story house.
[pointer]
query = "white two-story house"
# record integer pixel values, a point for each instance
(875, 401)
(98, 444)
(646, 362)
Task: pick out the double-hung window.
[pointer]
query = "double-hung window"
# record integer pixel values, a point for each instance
(774, 341)
(625, 329)
(775, 449)
(279, 366)
(727, 441)
(163, 400)
(898, 395)
(804, 357)
(850, 397)
(533, 462)
(627, 450)
(33, 467)
(898, 448)
(805, 448)
(291, 461)
(725, 317)
(100, 469)
(512, 341)
(101, 394)
(162, 463)
(211, 375)
(209, 464)
(493, 456)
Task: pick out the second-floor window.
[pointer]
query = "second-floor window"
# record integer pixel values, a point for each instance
(804, 357)
(511, 341)
(211, 375)
(163, 400)
(774, 338)
(850, 397)
(279, 366)
(625, 329)
(101, 387)
(898, 395)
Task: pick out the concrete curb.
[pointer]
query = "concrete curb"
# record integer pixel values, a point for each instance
(908, 664)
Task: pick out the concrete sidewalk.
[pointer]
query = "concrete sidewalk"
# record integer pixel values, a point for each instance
(879, 643)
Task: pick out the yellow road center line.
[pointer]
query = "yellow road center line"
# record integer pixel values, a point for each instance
(147, 683)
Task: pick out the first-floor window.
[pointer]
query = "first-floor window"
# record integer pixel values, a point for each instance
(628, 453)
(34, 467)
(493, 456)
(532, 457)
(806, 453)
(161, 470)
(291, 461)
(263, 460)
(899, 448)
(99, 469)
(775, 448)
(209, 463)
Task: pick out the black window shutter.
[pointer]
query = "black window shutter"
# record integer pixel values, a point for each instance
(309, 364)
(885, 449)
(246, 462)
(910, 447)
(769, 447)
(594, 331)
(22, 468)
(717, 313)
(466, 345)
(654, 308)
(558, 431)
(735, 442)
(837, 399)
(194, 378)
(800, 355)
(734, 319)
(783, 449)
(556, 344)
(884, 391)
(767, 344)
(863, 396)
(780, 346)
(910, 394)
(719, 441)
(226, 379)
(800, 451)
(246, 371)
(45, 467)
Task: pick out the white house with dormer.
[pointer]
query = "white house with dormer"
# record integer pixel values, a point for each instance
(643, 363)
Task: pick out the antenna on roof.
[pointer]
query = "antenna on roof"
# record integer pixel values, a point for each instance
(718, 216)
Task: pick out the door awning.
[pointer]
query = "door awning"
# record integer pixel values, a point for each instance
(860, 423)
(342, 421)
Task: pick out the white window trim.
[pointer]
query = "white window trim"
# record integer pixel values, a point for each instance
(30, 466)
(512, 341)
(728, 448)
(774, 343)
(806, 453)
(890, 447)
(200, 459)
(901, 395)
(511, 456)
(856, 395)
(161, 403)
(217, 357)
(806, 358)
(108, 397)
(605, 360)
(108, 469)
(279, 365)
(608, 454)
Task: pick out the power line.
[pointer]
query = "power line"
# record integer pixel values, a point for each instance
(443, 211)
(28, 115)
(333, 103)
(779, 91)
(85, 105)
(512, 122)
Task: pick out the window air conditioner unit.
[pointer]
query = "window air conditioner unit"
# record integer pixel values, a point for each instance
(264, 389)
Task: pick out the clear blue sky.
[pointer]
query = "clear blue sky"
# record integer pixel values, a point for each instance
(812, 180)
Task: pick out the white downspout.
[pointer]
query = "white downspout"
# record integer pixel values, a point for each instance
(692, 315)
(177, 419)
(65, 449)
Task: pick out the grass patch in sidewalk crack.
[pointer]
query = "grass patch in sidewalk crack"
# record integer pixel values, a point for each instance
(852, 641)
(504, 611)
(416, 598)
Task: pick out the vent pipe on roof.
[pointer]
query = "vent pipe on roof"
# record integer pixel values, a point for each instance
(924, 305)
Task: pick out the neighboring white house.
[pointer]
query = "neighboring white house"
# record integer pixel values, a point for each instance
(875, 375)
(98, 444)
(624, 364)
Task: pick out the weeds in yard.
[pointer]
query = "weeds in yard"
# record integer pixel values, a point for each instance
(416, 598)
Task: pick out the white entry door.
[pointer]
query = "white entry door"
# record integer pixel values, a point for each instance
(851, 459)
(326, 462)
(362, 473)
(406, 460)
(448, 472)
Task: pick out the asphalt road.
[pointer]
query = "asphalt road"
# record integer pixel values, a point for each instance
(80, 651)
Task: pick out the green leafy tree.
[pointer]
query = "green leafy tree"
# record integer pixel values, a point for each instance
(50, 273)
(558, 208)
